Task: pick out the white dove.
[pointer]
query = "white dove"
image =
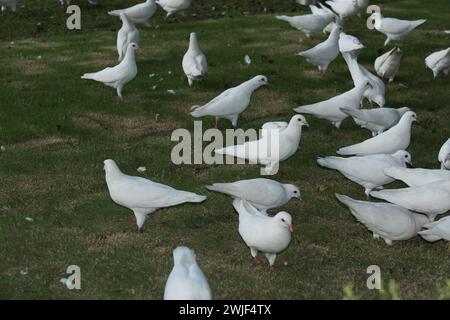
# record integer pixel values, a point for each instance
(320, 9)
(127, 34)
(394, 29)
(271, 148)
(194, 62)
(325, 52)
(388, 221)
(388, 64)
(396, 138)
(269, 235)
(118, 76)
(376, 120)
(308, 23)
(439, 61)
(263, 194)
(139, 13)
(437, 230)
(344, 8)
(376, 93)
(362, 6)
(348, 43)
(186, 280)
(230, 103)
(331, 109)
(431, 199)
(417, 176)
(12, 4)
(367, 171)
(444, 155)
(174, 6)
(141, 195)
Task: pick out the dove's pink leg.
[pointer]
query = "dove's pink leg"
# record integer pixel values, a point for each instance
(256, 262)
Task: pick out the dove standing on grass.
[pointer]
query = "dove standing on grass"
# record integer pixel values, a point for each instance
(367, 171)
(390, 141)
(325, 52)
(331, 109)
(376, 120)
(141, 195)
(431, 199)
(186, 281)
(309, 23)
(385, 220)
(394, 29)
(139, 13)
(263, 194)
(261, 233)
(438, 230)
(230, 103)
(127, 34)
(194, 62)
(444, 155)
(417, 177)
(174, 6)
(388, 64)
(439, 62)
(271, 148)
(117, 77)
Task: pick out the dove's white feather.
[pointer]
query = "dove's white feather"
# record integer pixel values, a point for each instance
(348, 43)
(439, 61)
(139, 13)
(437, 230)
(418, 176)
(388, 64)
(309, 23)
(444, 155)
(174, 6)
(127, 34)
(195, 65)
(345, 8)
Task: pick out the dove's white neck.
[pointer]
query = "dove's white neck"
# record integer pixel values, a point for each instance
(293, 131)
(113, 175)
(250, 85)
(129, 56)
(193, 44)
(334, 35)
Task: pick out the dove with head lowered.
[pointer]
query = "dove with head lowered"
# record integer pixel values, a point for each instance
(388, 221)
(344, 8)
(127, 34)
(417, 176)
(174, 6)
(367, 171)
(186, 280)
(261, 233)
(438, 62)
(141, 195)
(437, 230)
(263, 194)
(230, 103)
(194, 62)
(396, 138)
(139, 13)
(388, 64)
(331, 109)
(308, 23)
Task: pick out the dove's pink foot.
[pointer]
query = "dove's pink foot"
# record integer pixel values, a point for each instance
(272, 269)
(256, 262)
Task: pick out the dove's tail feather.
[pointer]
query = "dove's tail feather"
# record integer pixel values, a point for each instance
(221, 187)
(394, 172)
(429, 236)
(283, 18)
(308, 109)
(115, 12)
(355, 113)
(352, 204)
(197, 111)
(196, 198)
(418, 22)
(346, 151)
(328, 162)
(88, 76)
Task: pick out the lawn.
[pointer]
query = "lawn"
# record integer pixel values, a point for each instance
(57, 129)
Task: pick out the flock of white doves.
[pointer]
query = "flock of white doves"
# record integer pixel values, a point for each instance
(373, 163)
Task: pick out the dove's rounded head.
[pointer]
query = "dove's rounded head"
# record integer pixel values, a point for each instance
(299, 119)
(184, 255)
(404, 156)
(261, 80)
(292, 191)
(410, 116)
(379, 100)
(110, 166)
(133, 46)
(284, 220)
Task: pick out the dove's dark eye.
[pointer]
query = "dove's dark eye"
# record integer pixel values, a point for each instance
(295, 191)
(283, 220)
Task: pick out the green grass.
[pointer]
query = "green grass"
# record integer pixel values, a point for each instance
(58, 129)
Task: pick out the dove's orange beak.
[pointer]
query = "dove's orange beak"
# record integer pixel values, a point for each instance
(291, 228)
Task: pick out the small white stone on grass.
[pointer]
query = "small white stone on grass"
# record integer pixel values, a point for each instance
(142, 169)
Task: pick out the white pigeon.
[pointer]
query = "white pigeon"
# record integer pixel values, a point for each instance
(139, 13)
(417, 176)
(348, 43)
(439, 61)
(263, 194)
(396, 138)
(117, 77)
(127, 34)
(320, 9)
(11, 4)
(308, 23)
(388, 64)
(367, 171)
(141, 195)
(230, 103)
(261, 233)
(344, 8)
(376, 93)
(437, 230)
(174, 6)
(376, 120)
(388, 221)
(194, 62)
(186, 280)
(394, 29)
(362, 6)
(325, 52)
(271, 148)
(444, 155)
(431, 199)
(331, 109)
